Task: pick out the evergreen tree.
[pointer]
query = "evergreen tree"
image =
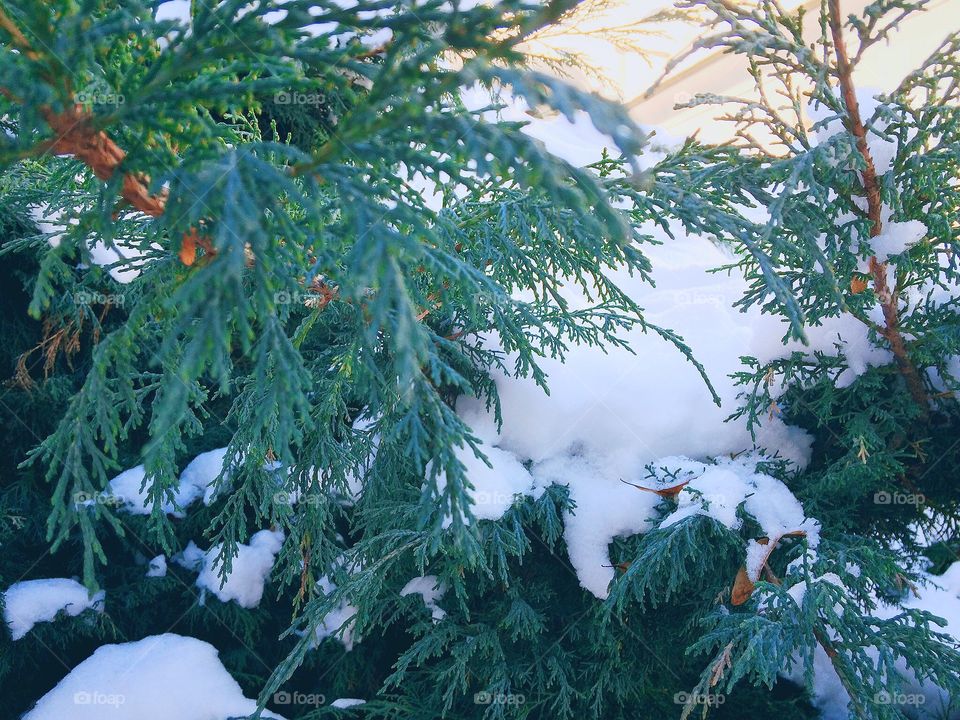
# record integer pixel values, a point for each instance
(273, 245)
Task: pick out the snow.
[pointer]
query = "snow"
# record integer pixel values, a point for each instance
(845, 331)
(896, 238)
(156, 678)
(191, 558)
(883, 150)
(248, 570)
(203, 470)
(431, 590)
(178, 10)
(757, 553)
(724, 487)
(611, 413)
(606, 508)
(495, 486)
(158, 567)
(939, 595)
(128, 488)
(343, 703)
(196, 481)
(29, 602)
(339, 622)
(51, 223)
(578, 142)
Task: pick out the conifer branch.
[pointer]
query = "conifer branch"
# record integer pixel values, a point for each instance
(888, 297)
(76, 135)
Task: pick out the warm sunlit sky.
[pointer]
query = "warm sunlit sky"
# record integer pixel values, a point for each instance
(608, 34)
(628, 73)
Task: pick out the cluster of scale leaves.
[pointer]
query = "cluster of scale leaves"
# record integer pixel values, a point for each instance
(235, 350)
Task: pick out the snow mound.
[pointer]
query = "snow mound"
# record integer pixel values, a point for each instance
(29, 602)
(611, 412)
(157, 678)
(495, 486)
(248, 570)
(202, 471)
(196, 481)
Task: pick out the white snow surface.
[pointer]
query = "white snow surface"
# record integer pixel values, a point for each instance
(29, 602)
(157, 567)
(339, 622)
(495, 486)
(611, 413)
(203, 470)
(128, 488)
(431, 590)
(196, 481)
(896, 238)
(344, 703)
(156, 678)
(248, 570)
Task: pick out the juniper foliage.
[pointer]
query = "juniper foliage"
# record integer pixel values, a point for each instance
(300, 301)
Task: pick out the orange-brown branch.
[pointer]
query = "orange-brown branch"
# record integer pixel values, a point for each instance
(75, 135)
(887, 296)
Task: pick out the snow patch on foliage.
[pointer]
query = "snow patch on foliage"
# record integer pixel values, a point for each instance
(29, 602)
(723, 488)
(202, 472)
(157, 567)
(431, 590)
(343, 703)
(157, 678)
(128, 488)
(248, 570)
(51, 223)
(827, 124)
(897, 237)
(339, 622)
(606, 509)
(939, 595)
(611, 412)
(196, 481)
(495, 486)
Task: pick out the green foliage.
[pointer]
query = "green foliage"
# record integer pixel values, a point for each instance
(339, 239)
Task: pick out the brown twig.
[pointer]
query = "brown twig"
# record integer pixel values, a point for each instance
(75, 134)
(878, 270)
(18, 39)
